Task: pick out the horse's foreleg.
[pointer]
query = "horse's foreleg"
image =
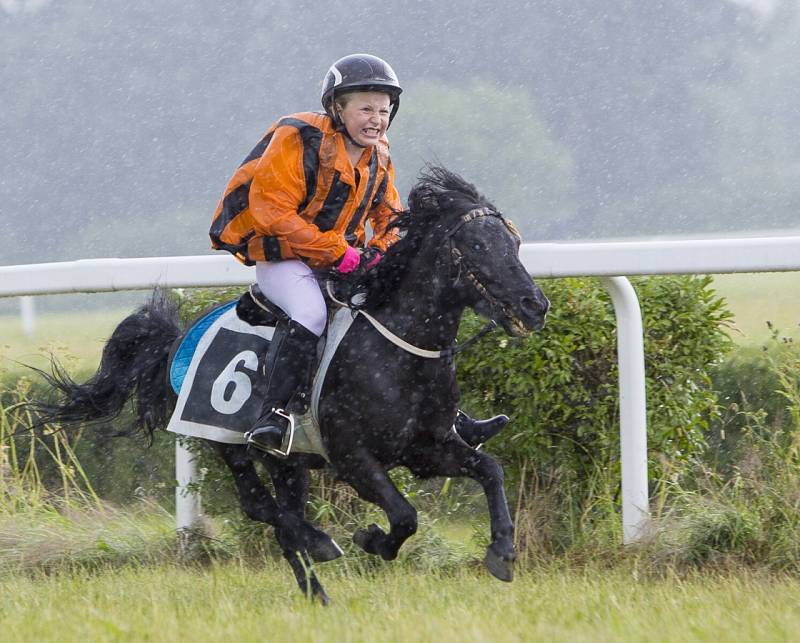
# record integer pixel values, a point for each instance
(371, 482)
(258, 504)
(291, 490)
(457, 459)
(301, 566)
(500, 554)
(256, 501)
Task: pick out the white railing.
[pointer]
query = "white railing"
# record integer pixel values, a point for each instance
(605, 260)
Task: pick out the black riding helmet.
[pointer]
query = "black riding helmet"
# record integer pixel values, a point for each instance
(359, 72)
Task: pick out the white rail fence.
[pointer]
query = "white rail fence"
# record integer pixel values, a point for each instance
(605, 260)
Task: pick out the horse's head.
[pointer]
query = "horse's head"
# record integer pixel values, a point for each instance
(456, 241)
(482, 248)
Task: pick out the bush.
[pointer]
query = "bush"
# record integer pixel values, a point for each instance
(560, 386)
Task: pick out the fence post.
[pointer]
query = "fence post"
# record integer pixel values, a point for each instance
(632, 408)
(27, 315)
(187, 499)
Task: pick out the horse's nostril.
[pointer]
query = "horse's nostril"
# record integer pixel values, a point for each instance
(534, 307)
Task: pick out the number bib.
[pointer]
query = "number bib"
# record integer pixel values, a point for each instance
(221, 389)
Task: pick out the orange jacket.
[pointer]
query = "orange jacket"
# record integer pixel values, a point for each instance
(296, 196)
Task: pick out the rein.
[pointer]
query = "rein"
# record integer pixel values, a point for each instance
(459, 262)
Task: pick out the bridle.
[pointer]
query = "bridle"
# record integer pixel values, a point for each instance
(460, 263)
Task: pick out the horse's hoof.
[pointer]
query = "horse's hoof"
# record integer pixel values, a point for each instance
(321, 597)
(323, 549)
(368, 538)
(499, 567)
(362, 538)
(478, 432)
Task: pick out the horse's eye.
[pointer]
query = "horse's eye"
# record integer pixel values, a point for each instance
(478, 247)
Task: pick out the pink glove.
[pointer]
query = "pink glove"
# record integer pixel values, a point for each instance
(371, 256)
(349, 261)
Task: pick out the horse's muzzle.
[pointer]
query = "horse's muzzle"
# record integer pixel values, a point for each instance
(533, 311)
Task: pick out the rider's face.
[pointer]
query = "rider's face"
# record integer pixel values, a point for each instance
(366, 116)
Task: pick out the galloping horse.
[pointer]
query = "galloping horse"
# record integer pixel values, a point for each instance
(383, 403)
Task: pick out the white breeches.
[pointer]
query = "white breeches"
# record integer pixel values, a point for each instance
(291, 285)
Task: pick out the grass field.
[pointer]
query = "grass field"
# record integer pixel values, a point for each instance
(234, 602)
(756, 299)
(76, 338)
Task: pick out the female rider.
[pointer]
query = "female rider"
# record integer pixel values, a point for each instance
(299, 202)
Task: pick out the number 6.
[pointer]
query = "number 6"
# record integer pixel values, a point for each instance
(226, 399)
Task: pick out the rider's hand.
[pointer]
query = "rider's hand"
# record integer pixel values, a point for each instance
(370, 258)
(349, 261)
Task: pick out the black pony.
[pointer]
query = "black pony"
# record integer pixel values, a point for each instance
(381, 406)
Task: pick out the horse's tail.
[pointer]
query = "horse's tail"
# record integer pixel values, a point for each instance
(133, 367)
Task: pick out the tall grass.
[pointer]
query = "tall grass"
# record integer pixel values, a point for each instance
(21, 448)
(50, 515)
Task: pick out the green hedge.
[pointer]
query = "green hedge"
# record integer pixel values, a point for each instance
(560, 386)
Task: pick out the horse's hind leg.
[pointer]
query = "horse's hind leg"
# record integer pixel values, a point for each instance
(454, 459)
(371, 482)
(291, 490)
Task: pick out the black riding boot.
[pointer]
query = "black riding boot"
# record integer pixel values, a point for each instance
(475, 432)
(289, 369)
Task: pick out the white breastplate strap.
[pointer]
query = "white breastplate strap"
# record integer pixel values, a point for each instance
(398, 341)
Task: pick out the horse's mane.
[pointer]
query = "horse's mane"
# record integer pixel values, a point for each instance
(439, 197)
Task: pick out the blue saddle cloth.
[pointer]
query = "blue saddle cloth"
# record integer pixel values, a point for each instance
(183, 356)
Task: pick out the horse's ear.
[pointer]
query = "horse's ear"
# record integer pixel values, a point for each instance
(422, 198)
(429, 198)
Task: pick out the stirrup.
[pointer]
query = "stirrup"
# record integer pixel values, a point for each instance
(288, 437)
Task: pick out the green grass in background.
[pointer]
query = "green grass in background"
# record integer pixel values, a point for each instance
(756, 299)
(77, 338)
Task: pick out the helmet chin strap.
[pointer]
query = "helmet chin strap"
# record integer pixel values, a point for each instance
(340, 126)
(344, 131)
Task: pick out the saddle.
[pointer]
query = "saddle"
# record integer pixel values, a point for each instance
(254, 308)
